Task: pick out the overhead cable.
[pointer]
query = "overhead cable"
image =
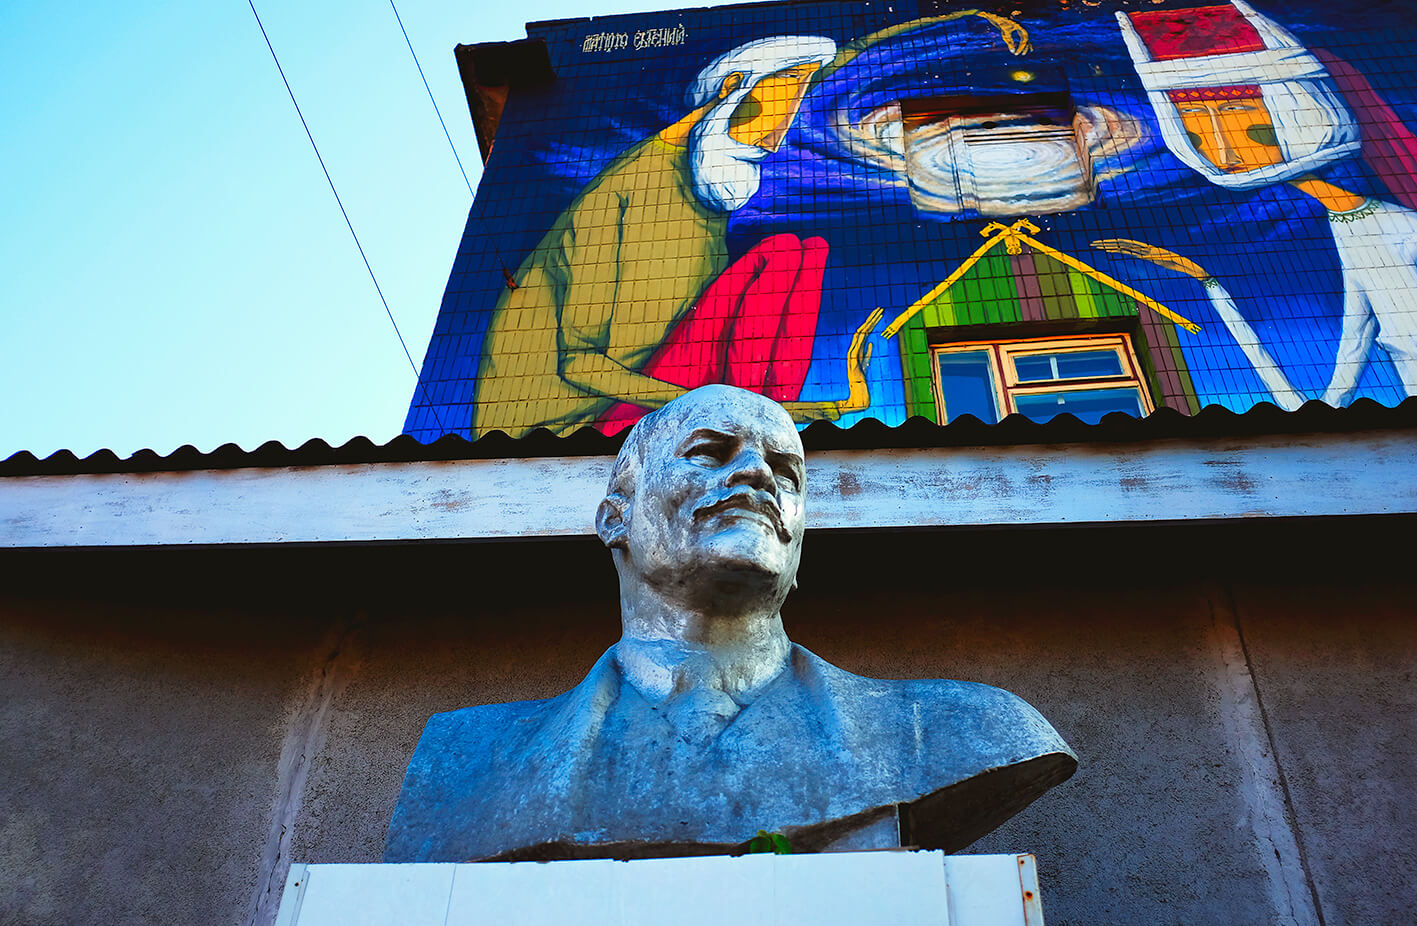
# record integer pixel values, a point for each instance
(446, 135)
(378, 289)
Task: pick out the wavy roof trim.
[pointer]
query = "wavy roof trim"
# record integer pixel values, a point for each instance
(870, 434)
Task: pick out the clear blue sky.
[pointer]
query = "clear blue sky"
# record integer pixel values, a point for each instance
(173, 267)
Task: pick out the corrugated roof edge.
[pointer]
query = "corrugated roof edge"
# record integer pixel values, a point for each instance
(1213, 421)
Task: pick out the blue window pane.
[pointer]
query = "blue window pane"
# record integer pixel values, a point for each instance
(967, 384)
(1034, 369)
(1080, 364)
(1088, 404)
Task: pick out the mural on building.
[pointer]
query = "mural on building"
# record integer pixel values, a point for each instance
(1242, 102)
(1177, 207)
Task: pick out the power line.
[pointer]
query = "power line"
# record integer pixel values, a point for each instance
(430, 98)
(511, 281)
(274, 57)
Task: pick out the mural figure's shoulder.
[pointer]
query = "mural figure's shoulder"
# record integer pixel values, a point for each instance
(633, 167)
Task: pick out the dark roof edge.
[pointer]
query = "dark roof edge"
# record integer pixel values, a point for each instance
(1213, 421)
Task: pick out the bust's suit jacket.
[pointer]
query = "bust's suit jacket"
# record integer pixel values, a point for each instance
(599, 771)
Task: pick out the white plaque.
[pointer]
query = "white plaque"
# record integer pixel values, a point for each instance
(855, 888)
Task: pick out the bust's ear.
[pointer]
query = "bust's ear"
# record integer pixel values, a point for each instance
(610, 521)
(730, 83)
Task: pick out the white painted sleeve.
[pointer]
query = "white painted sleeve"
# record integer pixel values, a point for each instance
(1285, 395)
(1360, 328)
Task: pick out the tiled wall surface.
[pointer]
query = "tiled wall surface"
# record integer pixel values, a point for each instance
(1077, 207)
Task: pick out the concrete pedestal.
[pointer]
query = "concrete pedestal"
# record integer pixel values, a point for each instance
(857, 888)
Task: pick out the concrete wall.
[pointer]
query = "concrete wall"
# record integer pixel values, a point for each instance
(176, 726)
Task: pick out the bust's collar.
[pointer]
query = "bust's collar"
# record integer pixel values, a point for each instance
(660, 668)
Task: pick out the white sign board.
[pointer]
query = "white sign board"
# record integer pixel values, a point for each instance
(856, 888)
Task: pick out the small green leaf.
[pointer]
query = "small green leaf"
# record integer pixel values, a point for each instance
(775, 843)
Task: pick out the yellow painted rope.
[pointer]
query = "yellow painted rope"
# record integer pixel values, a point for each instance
(894, 327)
(1013, 232)
(1119, 286)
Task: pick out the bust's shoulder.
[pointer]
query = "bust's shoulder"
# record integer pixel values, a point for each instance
(466, 738)
(945, 692)
(809, 664)
(967, 710)
(469, 721)
(449, 735)
(471, 761)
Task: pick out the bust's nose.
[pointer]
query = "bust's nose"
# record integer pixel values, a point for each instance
(751, 468)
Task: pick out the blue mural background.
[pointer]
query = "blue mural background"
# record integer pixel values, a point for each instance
(1270, 247)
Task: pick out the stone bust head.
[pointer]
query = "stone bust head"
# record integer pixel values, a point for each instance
(704, 517)
(704, 723)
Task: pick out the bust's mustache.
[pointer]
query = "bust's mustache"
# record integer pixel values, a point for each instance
(748, 499)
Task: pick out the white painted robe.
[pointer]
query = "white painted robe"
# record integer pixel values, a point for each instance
(1377, 250)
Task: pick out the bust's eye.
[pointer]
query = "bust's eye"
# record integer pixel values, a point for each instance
(788, 478)
(710, 452)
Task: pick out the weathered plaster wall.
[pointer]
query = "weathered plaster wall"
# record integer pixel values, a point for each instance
(1335, 668)
(1129, 678)
(177, 726)
(138, 749)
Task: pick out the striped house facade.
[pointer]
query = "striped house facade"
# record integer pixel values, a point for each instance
(1017, 287)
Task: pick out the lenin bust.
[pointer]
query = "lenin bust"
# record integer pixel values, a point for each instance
(704, 723)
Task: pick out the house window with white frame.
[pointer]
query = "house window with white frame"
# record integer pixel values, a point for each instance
(1088, 376)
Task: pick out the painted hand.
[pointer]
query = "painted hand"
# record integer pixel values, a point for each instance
(858, 358)
(1159, 256)
(858, 398)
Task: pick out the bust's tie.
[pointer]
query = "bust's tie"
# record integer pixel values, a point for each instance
(698, 707)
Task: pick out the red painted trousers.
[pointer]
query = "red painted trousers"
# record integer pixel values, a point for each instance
(753, 327)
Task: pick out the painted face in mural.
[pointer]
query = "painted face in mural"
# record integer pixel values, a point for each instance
(712, 499)
(766, 113)
(1236, 135)
(749, 123)
(1237, 97)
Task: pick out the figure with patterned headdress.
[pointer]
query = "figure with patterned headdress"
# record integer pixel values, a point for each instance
(1243, 103)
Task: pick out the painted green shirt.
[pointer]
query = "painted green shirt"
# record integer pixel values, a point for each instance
(600, 292)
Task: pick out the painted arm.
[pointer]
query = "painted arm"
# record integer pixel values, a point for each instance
(1285, 395)
(1265, 366)
(592, 370)
(1359, 331)
(587, 322)
(588, 304)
